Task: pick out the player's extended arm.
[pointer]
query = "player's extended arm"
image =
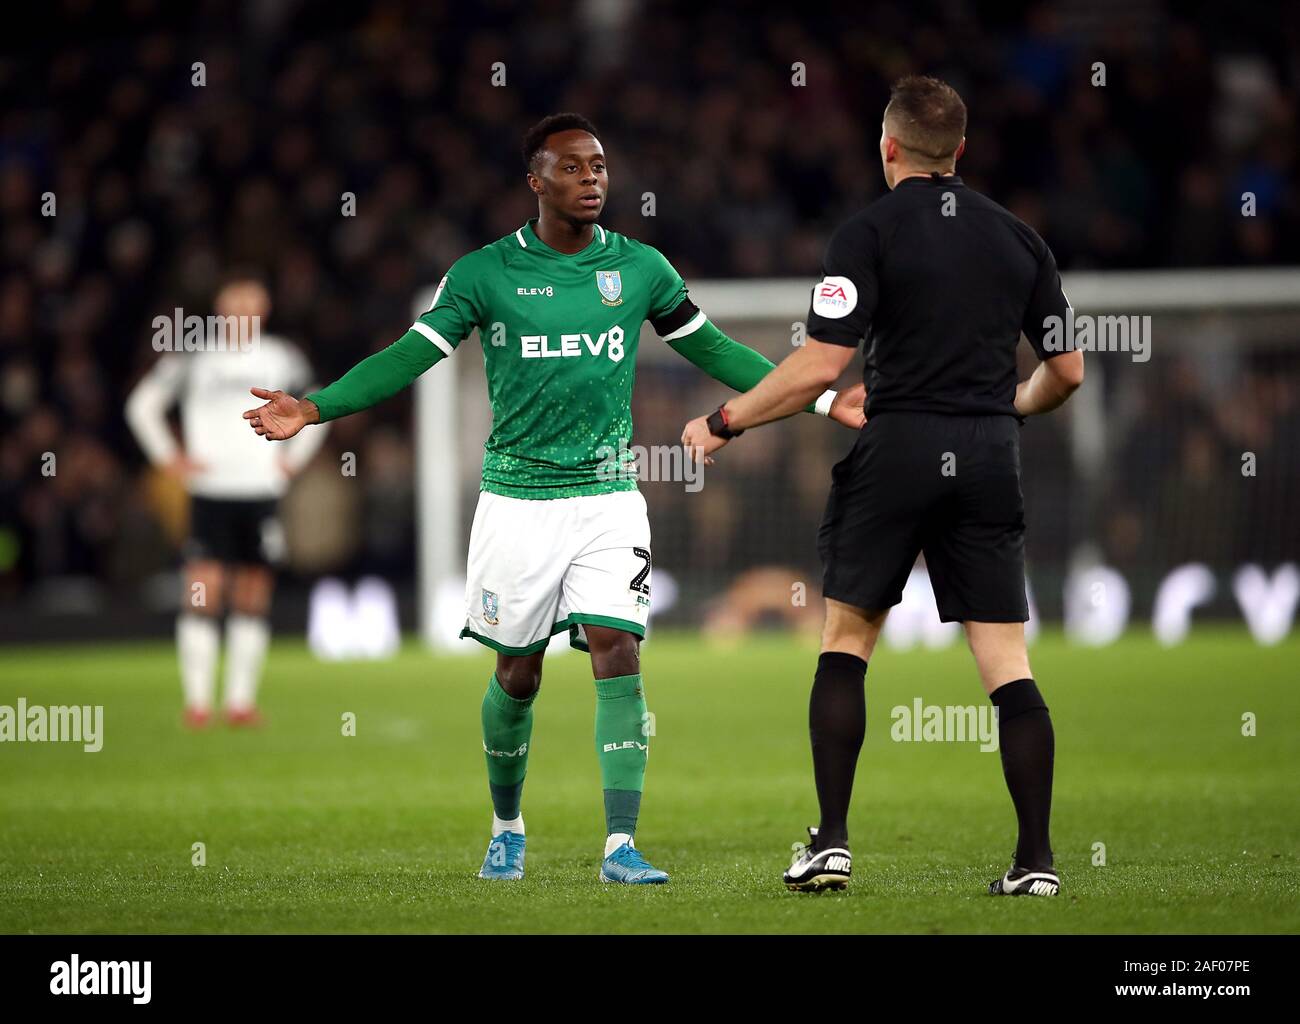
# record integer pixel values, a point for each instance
(740, 367)
(725, 359)
(377, 377)
(1052, 382)
(372, 380)
(802, 376)
(787, 389)
(302, 449)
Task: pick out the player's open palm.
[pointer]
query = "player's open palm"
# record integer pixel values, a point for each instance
(280, 418)
(848, 407)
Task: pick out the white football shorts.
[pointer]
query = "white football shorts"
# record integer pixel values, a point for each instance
(539, 566)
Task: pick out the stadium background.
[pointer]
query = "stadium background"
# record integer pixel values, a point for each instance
(162, 185)
(1172, 812)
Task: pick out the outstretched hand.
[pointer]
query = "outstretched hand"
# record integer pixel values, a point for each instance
(848, 407)
(700, 442)
(281, 417)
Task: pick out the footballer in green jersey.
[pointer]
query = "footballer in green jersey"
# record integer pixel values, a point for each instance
(559, 542)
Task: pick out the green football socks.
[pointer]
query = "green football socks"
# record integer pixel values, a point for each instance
(507, 729)
(622, 744)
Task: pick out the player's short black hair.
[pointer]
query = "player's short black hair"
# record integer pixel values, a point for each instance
(927, 116)
(536, 136)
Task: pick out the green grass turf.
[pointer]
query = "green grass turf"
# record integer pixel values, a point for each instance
(307, 830)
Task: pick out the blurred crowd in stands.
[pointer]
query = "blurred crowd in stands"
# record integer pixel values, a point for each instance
(145, 147)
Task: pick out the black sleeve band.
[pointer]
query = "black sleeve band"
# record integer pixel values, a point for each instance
(831, 334)
(675, 320)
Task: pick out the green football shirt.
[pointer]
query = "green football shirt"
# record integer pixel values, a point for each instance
(559, 335)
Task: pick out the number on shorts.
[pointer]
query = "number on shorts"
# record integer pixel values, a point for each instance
(638, 584)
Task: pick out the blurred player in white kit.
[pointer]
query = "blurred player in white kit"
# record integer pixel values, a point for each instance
(235, 481)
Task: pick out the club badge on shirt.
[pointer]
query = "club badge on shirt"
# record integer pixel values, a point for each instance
(610, 285)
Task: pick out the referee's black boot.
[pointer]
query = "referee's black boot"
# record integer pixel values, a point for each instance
(812, 869)
(1026, 882)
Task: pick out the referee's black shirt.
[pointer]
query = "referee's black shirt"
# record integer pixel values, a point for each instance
(941, 281)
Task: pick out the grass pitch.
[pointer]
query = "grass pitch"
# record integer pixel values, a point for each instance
(308, 830)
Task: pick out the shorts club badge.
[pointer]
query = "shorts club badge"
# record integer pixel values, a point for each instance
(490, 608)
(610, 284)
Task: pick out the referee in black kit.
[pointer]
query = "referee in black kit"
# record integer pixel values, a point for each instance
(941, 281)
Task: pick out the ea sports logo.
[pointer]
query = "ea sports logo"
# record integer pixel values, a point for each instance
(834, 297)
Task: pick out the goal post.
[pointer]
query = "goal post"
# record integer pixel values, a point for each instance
(439, 531)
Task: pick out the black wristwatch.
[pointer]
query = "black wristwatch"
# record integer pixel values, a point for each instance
(718, 427)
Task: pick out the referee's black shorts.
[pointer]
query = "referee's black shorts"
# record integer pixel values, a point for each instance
(948, 486)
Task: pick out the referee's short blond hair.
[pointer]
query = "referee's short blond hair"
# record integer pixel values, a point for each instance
(927, 117)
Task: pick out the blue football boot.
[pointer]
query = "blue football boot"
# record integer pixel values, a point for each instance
(505, 858)
(627, 866)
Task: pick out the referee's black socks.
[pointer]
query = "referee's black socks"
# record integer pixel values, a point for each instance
(837, 724)
(1027, 744)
